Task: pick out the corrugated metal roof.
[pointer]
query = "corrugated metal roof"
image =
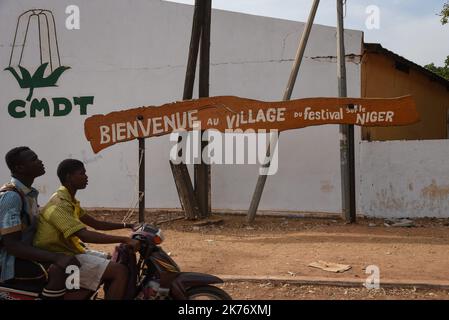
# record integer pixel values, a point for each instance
(377, 48)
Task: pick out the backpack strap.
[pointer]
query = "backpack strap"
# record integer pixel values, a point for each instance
(11, 187)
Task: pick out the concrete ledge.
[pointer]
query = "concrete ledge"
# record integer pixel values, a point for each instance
(339, 282)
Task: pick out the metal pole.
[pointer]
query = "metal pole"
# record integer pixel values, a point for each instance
(141, 179)
(287, 95)
(346, 131)
(202, 173)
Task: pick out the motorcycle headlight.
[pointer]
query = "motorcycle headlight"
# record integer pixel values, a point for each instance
(158, 237)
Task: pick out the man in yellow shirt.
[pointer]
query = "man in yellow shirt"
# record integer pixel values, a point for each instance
(62, 227)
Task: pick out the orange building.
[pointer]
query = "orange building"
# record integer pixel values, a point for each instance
(386, 74)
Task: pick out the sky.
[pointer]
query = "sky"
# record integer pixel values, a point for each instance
(410, 28)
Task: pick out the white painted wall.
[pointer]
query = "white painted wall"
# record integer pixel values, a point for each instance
(404, 178)
(130, 53)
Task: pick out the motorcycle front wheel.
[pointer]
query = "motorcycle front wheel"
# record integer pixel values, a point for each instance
(207, 293)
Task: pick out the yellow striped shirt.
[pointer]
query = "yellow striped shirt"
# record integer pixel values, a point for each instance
(58, 221)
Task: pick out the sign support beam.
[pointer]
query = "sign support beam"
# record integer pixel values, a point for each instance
(141, 180)
(196, 202)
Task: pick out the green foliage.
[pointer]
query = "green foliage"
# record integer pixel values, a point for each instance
(445, 13)
(37, 80)
(441, 71)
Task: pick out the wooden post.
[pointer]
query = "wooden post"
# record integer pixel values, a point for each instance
(193, 50)
(141, 179)
(202, 171)
(257, 195)
(185, 191)
(180, 172)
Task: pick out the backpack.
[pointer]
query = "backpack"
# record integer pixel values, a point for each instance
(11, 187)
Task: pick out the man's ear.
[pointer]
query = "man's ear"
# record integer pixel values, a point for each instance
(18, 168)
(66, 177)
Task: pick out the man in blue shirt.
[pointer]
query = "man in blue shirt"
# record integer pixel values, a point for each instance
(19, 260)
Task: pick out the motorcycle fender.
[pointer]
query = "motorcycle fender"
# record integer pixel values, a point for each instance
(186, 280)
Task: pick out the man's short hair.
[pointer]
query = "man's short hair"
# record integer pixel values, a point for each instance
(12, 157)
(68, 166)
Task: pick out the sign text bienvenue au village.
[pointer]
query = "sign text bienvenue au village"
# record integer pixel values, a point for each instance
(228, 113)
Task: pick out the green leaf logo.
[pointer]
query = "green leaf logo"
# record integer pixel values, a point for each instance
(38, 80)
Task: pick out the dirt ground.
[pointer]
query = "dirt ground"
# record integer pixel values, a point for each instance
(284, 247)
(270, 291)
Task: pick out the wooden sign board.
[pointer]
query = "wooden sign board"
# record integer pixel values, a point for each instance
(231, 113)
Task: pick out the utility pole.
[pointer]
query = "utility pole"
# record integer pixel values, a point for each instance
(347, 159)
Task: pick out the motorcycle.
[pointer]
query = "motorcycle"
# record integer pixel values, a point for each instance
(158, 276)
